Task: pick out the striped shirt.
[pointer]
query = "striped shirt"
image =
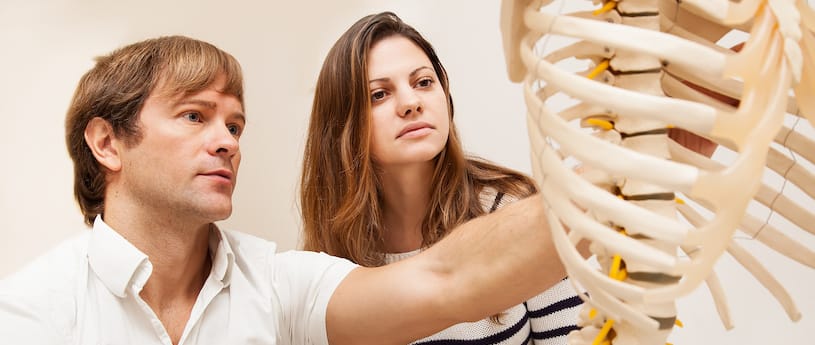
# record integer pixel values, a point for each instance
(545, 319)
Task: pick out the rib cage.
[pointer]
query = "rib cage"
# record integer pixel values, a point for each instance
(657, 214)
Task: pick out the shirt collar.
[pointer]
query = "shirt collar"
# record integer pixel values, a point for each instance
(224, 257)
(116, 261)
(120, 265)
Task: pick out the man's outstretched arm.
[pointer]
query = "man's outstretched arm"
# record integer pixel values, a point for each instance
(482, 268)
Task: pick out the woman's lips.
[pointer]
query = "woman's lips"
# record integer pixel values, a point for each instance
(415, 129)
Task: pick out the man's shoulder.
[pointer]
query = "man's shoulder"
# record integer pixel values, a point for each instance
(260, 259)
(249, 247)
(53, 270)
(46, 290)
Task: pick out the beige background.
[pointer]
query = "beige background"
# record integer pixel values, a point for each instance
(48, 45)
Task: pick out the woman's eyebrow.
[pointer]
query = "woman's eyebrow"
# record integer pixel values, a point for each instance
(412, 74)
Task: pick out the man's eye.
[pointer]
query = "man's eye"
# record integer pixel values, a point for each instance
(234, 130)
(193, 116)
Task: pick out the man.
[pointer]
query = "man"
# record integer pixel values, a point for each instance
(153, 130)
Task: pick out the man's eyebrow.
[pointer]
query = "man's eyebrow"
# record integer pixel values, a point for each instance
(202, 103)
(207, 104)
(412, 74)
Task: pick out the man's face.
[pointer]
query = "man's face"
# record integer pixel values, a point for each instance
(186, 163)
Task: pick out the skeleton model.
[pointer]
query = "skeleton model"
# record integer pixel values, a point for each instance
(658, 216)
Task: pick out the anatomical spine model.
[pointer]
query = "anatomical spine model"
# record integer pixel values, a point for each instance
(658, 216)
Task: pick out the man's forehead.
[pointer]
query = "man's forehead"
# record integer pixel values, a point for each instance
(174, 86)
(174, 96)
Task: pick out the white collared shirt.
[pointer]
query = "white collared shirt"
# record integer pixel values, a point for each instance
(86, 291)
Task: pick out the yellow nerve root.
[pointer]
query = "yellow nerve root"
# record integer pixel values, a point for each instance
(615, 272)
(601, 67)
(621, 275)
(604, 124)
(615, 266)
(603, 333)
(608, 6)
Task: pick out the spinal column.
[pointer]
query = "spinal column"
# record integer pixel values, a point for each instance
(653, 68)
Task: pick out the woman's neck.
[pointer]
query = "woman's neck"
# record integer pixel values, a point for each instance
(406, 196)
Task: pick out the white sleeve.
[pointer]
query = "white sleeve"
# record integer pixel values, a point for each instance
(305, 282)
(25, 320)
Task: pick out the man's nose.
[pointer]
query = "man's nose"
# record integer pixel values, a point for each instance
(224, 142)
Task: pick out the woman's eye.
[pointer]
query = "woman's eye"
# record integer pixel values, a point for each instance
(193, 116)
(377, 95)
(425, 82)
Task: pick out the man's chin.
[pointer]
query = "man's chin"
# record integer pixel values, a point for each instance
(223, 214)
(215, 212)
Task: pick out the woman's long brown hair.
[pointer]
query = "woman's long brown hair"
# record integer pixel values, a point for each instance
(339, 189)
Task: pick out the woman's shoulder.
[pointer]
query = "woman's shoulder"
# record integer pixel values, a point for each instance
(492, 199)
(394, 257)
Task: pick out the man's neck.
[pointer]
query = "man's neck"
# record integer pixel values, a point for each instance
(181, 264)
(178, 249)
(179, 253)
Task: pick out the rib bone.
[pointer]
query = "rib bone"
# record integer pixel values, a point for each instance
(658, 215)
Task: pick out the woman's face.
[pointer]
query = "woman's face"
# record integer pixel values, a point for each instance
(409, 115)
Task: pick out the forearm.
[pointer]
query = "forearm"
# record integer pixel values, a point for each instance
(483, 267)
(393, 304)
(494, 262)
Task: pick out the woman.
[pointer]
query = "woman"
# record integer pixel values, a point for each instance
(384, 174)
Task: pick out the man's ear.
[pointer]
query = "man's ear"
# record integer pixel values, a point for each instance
(103, 143)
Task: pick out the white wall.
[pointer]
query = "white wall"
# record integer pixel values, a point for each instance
(47, 46)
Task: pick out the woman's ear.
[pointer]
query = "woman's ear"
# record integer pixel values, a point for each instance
(101, 140)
